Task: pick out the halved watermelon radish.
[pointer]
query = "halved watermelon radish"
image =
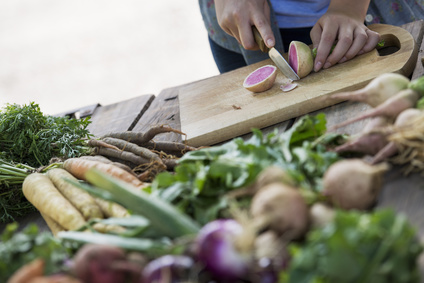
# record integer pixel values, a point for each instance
(300, 58)
(261, 79)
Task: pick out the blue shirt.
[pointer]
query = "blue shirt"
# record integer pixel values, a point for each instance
(298, 13)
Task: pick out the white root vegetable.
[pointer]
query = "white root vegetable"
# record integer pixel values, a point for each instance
(377, 90)
(391, 148)
(370, 141)
(391, 108)
(282, 209)
(353, 183)
(321, 215)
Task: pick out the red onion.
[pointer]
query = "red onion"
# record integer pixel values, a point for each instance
(168, 268)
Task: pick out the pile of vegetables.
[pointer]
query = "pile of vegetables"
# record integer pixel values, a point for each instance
(290, 207)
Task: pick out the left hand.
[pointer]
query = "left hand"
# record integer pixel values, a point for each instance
(343, 25)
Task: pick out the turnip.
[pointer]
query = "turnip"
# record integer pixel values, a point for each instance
(168, 268)
(300, 58)
(390, 108)
(321, 215)
(371, 139)
(353, 183)
(390, 149)
(220, 248)
(261, 79)
(282, 209)
(377, 90)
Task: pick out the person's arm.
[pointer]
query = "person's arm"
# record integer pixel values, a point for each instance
(342, 23)
(236, 17)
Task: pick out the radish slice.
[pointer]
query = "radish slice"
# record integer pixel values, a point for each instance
(288, 87)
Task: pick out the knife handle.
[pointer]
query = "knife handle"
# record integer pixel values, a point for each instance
(259, 40)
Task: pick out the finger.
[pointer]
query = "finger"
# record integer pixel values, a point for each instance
(325, 44)
(315, 35)
(373, 40)
(246, 37)
(344, 42)
(360, 38)
(265, 30)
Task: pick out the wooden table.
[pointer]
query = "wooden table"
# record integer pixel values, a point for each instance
(404, 194)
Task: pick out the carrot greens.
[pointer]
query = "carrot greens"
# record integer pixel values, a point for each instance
(203, 177)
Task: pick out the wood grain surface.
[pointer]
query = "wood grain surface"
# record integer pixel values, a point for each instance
(219, 108)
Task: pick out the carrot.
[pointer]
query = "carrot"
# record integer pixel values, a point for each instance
(100, 143)
(176, 148)
(41, 192)
(132, 147)
(104, 159)
(78, 167)
(111, 209)
(53, 225)
(142, 138)
(28, 271)
(82, 200)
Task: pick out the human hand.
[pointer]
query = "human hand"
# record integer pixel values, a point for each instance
(236, 17)
(345, 27)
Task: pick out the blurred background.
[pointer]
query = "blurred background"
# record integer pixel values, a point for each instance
(68, 54)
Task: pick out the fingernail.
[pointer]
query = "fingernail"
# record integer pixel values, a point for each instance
(361, 52)
(327, 65)
(344, 59)
(270, 42)
(317, 66)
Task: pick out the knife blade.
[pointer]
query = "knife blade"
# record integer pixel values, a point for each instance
(275, 56)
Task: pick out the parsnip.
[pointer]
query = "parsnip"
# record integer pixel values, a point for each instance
(41, 192)
(82, 200)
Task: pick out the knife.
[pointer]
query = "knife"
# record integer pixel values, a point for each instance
(275, 56)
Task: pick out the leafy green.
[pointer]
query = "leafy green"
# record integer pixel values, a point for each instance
(203, 177)
(29, 139)
(20, 248)
(380, 246)
(27, 136)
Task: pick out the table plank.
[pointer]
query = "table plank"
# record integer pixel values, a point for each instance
(164, 110)
(121, 116)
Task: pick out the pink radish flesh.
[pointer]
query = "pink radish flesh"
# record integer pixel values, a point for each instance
(259, 75)
(293, 60)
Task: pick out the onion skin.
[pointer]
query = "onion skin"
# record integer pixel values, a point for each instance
(217, 249)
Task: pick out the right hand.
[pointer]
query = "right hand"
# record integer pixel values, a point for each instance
(236, 17)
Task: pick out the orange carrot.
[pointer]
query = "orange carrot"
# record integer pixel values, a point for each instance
(27, 272)
(41, 192)
(78, 167)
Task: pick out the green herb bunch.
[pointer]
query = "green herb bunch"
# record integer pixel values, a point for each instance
(375, 247)
(29, 137)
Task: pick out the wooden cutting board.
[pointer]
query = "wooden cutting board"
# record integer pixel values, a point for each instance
(219, 108)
